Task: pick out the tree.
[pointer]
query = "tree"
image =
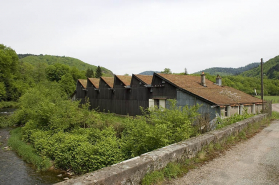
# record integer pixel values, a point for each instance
(9, 71)
(67, 83)
(56, 71)
(98, 73)
(89, 73)
(77, 74)
(185, 71)
(167, 71)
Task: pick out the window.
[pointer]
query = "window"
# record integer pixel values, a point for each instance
(157, 103)
(226, 111)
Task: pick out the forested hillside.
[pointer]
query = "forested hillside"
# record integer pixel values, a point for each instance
(228, 71)
(17, 76)
(248, 84)
(51, 60)
(270, 69)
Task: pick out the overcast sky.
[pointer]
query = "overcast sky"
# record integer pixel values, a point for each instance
(134, 36)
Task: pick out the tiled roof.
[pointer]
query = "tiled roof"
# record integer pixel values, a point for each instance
(147, 79)
(219, 95)
(83, 82)
(126, 80)
(109, 81)
(95, 81)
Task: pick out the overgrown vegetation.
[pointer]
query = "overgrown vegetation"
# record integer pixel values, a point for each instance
(81, 140)
(27, 152)
(8, 104)
(222, 122)
(209, 152)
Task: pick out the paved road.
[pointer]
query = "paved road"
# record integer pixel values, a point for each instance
(255, 161)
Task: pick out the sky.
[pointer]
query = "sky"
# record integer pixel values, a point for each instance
(133, 36)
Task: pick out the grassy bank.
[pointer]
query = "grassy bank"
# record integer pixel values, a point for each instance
(274, 99)
(174, 170)
(5, 122)
(8, 104)
(26, 151)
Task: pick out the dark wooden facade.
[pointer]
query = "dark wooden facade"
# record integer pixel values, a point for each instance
(161, 89)
(93, 92)
(141, 93)
(106, 94)
(81, 91)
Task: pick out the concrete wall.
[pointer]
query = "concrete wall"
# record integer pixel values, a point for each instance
(133, 170)
(234, 110)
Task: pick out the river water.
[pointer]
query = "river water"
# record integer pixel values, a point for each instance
(14, 171)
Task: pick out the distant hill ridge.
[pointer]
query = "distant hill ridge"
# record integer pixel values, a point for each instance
(229, 71)
(149, 72)
(270, 69)
(50, 60)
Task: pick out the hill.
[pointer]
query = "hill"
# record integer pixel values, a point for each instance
(149, 72)
(50, 60)
(229, 71)
(270, 69)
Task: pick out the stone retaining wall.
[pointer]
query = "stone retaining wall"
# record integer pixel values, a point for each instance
(133, 170)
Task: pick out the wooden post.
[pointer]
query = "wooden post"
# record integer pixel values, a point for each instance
(262, 94)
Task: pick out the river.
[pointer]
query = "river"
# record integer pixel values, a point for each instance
(14, 171)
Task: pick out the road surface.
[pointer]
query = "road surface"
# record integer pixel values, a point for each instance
(255, 162)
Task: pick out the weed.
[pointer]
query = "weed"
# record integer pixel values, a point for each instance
(172, 170)
(153, 178)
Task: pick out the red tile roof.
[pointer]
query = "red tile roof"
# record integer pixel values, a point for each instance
(219, 95)
(126, 80)
(83, 82)
(109, 81)
(147, 79)
(95, 82)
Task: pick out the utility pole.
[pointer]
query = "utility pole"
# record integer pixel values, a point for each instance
(262, 94)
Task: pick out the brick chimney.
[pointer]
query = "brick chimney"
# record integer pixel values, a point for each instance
(219, 80)
(203, 79)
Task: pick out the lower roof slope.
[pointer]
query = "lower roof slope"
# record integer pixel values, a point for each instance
(83, 82)
(95, 81)
(108, 80)
(126, 80)
(147, 79)
(219, 95)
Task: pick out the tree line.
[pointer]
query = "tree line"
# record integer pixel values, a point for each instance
(17, 76)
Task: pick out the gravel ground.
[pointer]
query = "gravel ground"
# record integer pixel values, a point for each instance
(255, 161)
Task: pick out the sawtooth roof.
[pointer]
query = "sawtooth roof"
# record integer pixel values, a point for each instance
(95, 81)
(126, 80)
(109, 81)
(83, 82)
(147, 79)
(219, 95)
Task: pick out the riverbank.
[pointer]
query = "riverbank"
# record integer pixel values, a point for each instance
(13, 170)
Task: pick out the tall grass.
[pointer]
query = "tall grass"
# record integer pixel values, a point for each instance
(274, 99)
(27, 152)
(5, 122)
(8, 104)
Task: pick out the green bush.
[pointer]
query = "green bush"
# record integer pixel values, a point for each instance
(157, 128)
(220, 123)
